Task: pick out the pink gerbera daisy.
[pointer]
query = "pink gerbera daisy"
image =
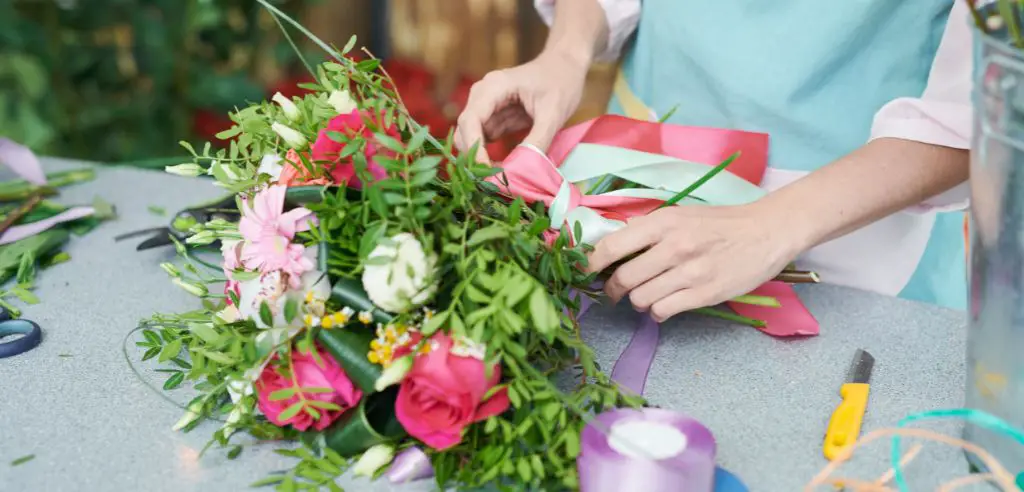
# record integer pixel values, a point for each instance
(268, 232)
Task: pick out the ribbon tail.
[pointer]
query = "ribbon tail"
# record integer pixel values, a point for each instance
(791, 318)
(19, 232)
(22, 161)
(631, 369)
(410, 465)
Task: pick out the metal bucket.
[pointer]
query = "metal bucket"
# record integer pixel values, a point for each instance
(995, 341)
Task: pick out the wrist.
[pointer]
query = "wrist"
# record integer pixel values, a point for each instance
(577, 56)
(790, 230)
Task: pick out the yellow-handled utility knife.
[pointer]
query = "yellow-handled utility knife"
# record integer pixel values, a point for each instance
(844, 427)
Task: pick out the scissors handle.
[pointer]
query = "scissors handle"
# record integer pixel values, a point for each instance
(32, 336)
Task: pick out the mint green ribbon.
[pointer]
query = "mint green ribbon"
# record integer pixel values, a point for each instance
(663, 177)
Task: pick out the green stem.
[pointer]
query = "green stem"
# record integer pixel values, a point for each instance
(703, 179)
(743, 320)
(757, 300)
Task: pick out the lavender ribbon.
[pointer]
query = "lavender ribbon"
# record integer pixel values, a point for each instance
(411, 464)
(22, 161)
(603, 468)
(16, 233)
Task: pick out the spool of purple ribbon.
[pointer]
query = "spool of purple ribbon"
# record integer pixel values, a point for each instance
(650, 449)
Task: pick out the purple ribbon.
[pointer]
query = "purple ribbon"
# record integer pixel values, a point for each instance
(411, 464)
(603, 468)
(22, 161)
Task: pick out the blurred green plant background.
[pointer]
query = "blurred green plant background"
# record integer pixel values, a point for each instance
(121, 81)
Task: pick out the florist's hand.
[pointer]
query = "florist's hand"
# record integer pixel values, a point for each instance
(541, 94)
(693, 257)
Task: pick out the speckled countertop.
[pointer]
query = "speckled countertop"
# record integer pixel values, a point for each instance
(75, 405)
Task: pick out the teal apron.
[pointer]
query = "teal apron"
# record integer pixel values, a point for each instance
(810, 75)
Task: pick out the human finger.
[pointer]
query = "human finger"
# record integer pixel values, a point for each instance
(637, 271)
(682, 301)
(636, 236)
(679, 277)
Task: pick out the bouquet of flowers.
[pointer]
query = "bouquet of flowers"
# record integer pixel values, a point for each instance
(385, 300)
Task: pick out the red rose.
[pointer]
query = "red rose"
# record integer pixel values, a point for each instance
(327, 150)
(443, 393)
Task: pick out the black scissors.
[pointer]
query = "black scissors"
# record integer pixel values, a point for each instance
(31, 335)
(178, 229)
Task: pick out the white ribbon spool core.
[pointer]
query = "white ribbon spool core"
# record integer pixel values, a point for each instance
(646, 440)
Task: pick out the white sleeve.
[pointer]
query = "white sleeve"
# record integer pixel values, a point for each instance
(942, 115)
(622, 16)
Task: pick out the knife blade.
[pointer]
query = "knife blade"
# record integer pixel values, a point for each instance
(844, 426)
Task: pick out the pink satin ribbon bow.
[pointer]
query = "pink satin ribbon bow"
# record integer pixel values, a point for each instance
(534, 177)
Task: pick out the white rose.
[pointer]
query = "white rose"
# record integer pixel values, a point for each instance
(291, 136)
(402, 277)
(271, 166)
(342, 102)
(291, 111)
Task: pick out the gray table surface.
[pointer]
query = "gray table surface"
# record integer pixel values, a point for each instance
(92, 425)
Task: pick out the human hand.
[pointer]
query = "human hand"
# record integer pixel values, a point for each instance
(541, 94)
(694, 256)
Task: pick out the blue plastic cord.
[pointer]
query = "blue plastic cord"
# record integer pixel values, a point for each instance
(976, 417)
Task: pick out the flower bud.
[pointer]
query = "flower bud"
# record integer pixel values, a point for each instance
(373, 459)
(342, 102)
(291, 111)
(201, 238)
(187, 169)
(171, 269)
(195, 288)
(292, 137)
(190, 415)
(394, 373)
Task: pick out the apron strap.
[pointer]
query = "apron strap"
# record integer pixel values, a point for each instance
(631, 104)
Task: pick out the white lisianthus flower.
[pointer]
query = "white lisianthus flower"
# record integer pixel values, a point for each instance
(402, 275)
(291, 111)
(195, 288)
(342, 102)
(189, 170)
(272, 288)
(191, 414)
(271, 166)
(291, 136)
(373, 459)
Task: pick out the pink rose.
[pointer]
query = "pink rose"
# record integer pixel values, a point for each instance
(341, 169)
(444, 393)
(307, 374)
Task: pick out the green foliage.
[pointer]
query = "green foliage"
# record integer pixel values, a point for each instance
(121, 80)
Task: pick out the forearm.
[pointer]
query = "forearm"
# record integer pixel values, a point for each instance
(579, 31)
(877, 180)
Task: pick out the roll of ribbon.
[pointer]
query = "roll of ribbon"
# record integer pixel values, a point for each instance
(648, 449)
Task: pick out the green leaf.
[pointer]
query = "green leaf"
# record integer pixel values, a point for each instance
(425, 163)
(27, 268)
(291, 308)
(423, 177)
(23, 459)
(390, 143)
(545, 317)
(349, 45)
(271, 480)
(324, 405)
(265, 315)
(487, 234)
(151, 337)
(282, 394)
(416, 141)
(204, 331)
(25, 295)
(435, 322)
(174, 381)
(291, 411)
(234, 452)
(171, 350)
